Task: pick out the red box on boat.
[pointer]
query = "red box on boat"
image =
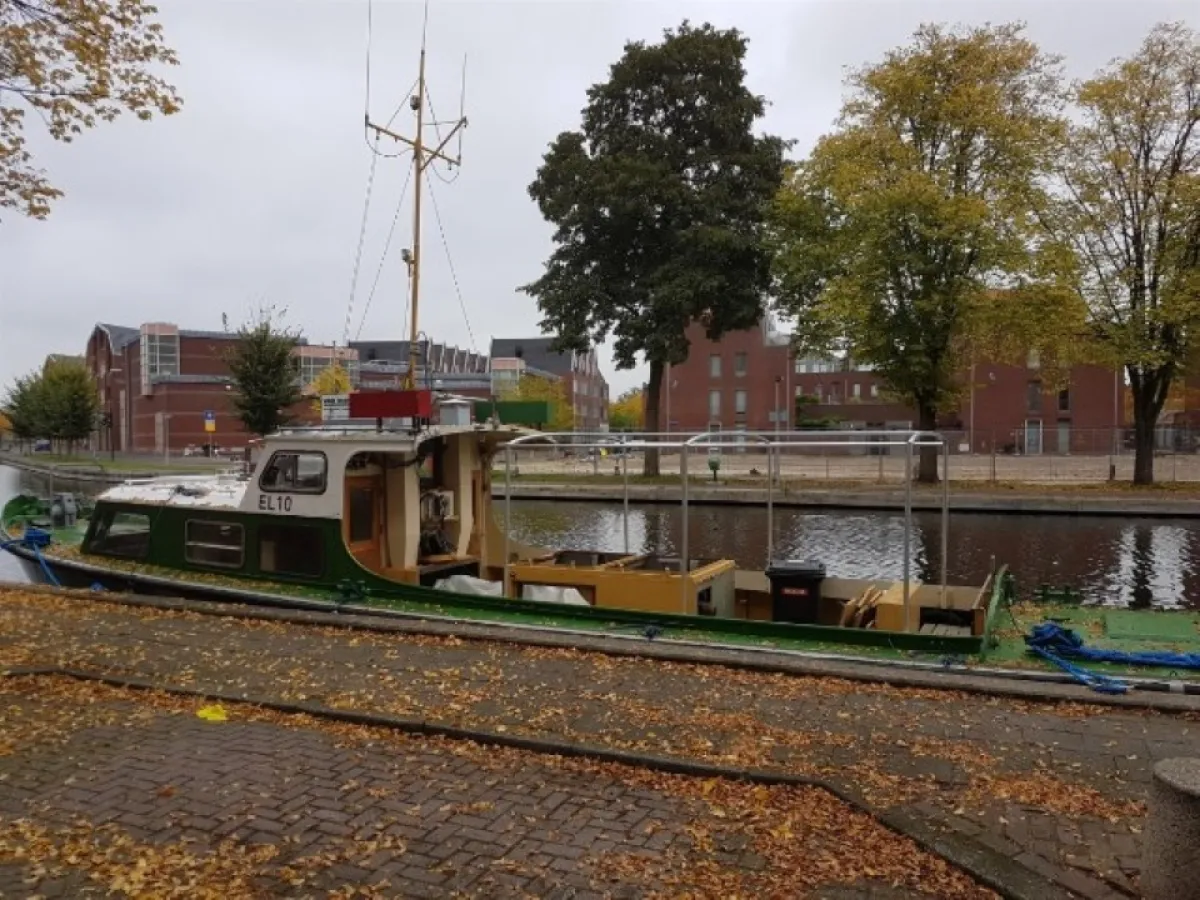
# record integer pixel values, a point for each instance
(391, 405)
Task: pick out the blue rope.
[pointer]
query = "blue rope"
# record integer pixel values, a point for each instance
(35, 539)
(1065, 642)
(1054, 643)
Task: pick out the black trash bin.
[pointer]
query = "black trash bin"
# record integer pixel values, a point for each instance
(795, 590)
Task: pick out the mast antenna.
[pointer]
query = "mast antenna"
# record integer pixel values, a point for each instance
(424, 156)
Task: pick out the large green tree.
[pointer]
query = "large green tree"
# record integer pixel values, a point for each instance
(906, 239)
(1127, 204)
(72, 401)
(26, 409)
(73, 63)
(266, 372)
(658, 204)
(60, 402)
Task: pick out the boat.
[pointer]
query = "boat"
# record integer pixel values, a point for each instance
(390, 512)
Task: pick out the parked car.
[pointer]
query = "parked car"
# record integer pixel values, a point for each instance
(41, 446)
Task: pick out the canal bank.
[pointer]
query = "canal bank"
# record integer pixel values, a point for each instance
(99, 472)
(1027, 500)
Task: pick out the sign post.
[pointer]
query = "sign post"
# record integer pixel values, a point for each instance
(210, 427)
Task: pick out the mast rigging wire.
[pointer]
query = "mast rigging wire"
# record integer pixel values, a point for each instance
(362, 237)
(437, 214)
(383, 257)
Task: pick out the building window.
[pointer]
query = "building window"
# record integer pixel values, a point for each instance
(219, 544)
(714, 366)
(1034, 396)
(121, 534)
(159, 356)
(1064, 400)
(874, 390)
(312, 366)
(739, 364)
(294, 472)
(714, 404)
(739, 402)
(857, 391)
(291, 550)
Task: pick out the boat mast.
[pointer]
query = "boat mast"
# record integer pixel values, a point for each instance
(423, 157)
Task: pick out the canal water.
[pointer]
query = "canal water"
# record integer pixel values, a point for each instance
(1111, 560)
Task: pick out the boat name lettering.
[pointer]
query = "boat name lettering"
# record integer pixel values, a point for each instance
(268, 503)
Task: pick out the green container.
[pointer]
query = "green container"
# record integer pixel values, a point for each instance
(530, 413)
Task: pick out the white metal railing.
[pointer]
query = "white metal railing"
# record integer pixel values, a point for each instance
(773, 442)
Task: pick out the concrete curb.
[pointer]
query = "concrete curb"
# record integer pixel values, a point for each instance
(876, 499)
(763, 661)
(1010, 879)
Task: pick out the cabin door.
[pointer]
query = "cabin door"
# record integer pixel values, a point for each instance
(363, 520)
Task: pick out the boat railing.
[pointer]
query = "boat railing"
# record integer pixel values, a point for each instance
(773, 442)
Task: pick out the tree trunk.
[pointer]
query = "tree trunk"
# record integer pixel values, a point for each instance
(1149, 396)
(927, 467)
(653, 389)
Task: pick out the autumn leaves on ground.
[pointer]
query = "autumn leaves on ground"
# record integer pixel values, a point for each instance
(132, 791)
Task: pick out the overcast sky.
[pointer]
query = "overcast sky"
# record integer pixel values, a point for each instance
(255, 190)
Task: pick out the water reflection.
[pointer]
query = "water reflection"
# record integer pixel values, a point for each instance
(1118, 562)
(1114, 561)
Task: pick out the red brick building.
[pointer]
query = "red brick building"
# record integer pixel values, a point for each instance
(157, 382)
(743, 382)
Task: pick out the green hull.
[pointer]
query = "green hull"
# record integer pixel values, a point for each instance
(342, 581)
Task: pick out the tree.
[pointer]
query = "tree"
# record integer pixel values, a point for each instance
(71, 400)
(907, 234)
(548, 390)
(658, 204)
(25, 408)
(627, 412)
(333, 379)
(266, 373)
(61, 403)
(1127, 205)
(74, 63)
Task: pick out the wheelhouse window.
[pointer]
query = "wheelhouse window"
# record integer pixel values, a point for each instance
(121, 534)
(291, 550)
(294, 472)
(221, 544)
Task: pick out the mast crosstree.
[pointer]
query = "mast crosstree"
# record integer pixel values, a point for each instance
(424, 156)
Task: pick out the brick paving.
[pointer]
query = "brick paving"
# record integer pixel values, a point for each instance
(1060, 788)
(328, 810)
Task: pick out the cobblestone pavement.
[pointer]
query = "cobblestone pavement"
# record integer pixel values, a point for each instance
(1059, 787)
(107, 789)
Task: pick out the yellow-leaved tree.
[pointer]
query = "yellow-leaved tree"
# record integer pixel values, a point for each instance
(333, 379)
(627, 412)
(73, 63)
(906, 239)
(552, 391)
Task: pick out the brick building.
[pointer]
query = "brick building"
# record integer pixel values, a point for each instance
(743, 382)
(585, 387)
(382, 365)
(157, 381)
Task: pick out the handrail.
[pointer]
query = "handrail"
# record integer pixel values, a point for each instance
(773, 442)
